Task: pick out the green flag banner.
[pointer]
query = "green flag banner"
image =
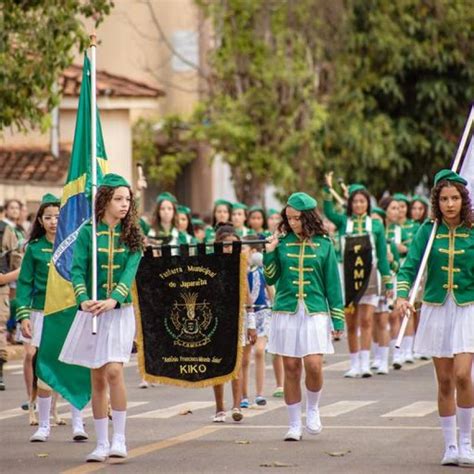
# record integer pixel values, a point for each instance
(71, 381)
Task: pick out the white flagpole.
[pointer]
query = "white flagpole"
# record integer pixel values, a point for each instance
(424, 260)
(94, 174)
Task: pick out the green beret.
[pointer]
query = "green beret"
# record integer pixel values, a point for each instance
(302, 202)
(183, 209)
(239, 205)
(401, 198)
(50, 199)
(197, 221)
(353, 188)
(166, 196)
(257, 208)
(379, 211)
(422, 199)
(222, 202)
(449, 175)
(113, 180)
(272, 212)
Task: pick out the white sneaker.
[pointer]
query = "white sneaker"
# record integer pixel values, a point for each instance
(366, 373)
(41, 435)
(219, 417)
(352, 373)
(143, 384)
(397, 362)
(313, 421)
(375, 364)
(119, 448)
(383, 369)
(78, 434)
(409, 359)
(465, 456)
(293, 434)
(450, 457)
(100, 453)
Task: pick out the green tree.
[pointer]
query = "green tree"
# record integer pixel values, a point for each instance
(37, 41)
(263, 113)
(402, 86)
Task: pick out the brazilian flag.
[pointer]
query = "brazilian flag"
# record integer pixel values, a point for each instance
(71, 381)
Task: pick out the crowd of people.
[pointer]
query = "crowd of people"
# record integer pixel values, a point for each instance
(295, 305)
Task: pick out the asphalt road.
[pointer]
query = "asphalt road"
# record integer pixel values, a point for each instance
(384, 424)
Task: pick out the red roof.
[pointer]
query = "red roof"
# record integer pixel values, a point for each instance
(108, 85)
(33, 164)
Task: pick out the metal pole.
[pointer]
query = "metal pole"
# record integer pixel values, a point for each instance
(94, 174)
(424, 261)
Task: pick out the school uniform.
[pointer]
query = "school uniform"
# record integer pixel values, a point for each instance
(116, 269)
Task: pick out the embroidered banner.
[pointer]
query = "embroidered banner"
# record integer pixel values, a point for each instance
(357, 267)
(190, 316)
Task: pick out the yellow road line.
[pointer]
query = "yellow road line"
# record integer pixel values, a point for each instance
(147, 449)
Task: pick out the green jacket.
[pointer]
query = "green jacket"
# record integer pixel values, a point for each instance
(450, 265)
(378, 231)
(396, 234)
(305, 271)
(116, 265)
(410, 227)
(31, 284)
(174, 237)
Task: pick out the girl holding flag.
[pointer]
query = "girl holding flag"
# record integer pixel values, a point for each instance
(446, 327)
(30, 297)
(119, 248)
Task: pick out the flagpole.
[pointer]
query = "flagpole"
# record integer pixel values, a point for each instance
(424, 261)
(94, 173)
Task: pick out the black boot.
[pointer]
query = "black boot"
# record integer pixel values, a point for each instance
(2, 383)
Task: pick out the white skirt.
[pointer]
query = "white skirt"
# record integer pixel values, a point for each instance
(36, 319)
(445, 330)
(299, 334)
(112, 343)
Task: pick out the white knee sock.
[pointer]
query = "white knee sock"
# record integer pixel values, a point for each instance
(312, 400)
(76, 417)
(383, 354)
(407, 344)
(364, 360)
(465, 425)
(294, 413)
(395, 351)
(102, 430)
(448, 425)
(44, 408)
(375, 348)
(355, 360)
(119, 419)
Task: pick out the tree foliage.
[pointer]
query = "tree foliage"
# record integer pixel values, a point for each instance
(163, 147)
(37, 39)
(375, 89)
(403, 84)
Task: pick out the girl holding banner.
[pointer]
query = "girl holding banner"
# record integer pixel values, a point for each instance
(303, 267)
(364, 251)
(30, 296)
(446, 327)
(119, 246)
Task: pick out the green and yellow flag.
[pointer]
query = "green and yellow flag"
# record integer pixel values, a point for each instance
(71, 381)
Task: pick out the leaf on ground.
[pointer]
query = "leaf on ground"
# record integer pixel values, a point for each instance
(338, 454)
(186, 411)
(242, 441)
(277, 464)
(42, 455)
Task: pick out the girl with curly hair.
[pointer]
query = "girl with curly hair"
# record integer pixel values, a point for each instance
(307, 309)
(446, 328)
(119, 250)
(357, 221)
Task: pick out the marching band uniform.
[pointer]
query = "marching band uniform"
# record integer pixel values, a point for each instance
(409, 226)
(362, 225)
(30, 300)
(116, 269)
(307, 306)
(242, 231)
(446, 326)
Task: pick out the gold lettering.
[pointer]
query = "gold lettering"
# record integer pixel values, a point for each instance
(359, 274)
(359, 261)
(357, 248)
